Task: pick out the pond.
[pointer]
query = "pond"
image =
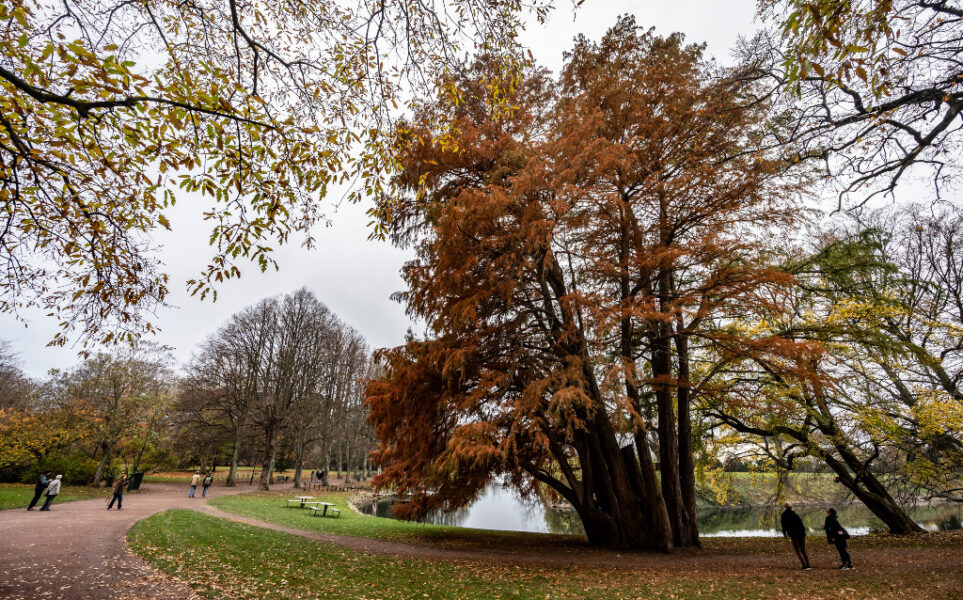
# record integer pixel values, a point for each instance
(501, 508)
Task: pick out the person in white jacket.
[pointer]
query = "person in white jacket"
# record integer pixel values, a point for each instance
(52, 490)
(195, 480)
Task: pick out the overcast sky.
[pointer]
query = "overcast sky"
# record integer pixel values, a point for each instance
(349, 273)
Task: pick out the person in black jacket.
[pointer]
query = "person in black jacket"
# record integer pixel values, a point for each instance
(793, 528)
(42, 482)
(837, 536)
(118, 493)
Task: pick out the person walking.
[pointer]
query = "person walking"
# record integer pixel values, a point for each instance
(196, 479)
(52, 490)
(118, 493)
(837, 536)
(793, 528)
(208, 480)
(42, 482)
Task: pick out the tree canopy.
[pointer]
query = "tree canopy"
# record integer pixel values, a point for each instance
(568, 254)
(112, 110)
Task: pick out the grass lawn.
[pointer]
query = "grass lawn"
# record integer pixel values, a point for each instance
(17, 495)
(224, 559)
(271, 507)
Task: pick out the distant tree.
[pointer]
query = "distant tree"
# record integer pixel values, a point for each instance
(223, 383)
(115, 395)
(285, 371)
(15, 386)
(29, 435)
(569, 253)
(331, 411)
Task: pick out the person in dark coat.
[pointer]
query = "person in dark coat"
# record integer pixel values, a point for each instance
(42, 482)
(206, 483)
(118, 493)
(837, 536)
(53, 490)
(793, 528)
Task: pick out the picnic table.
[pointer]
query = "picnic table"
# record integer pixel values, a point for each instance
(314, 506)
(324, 507)
(299, 501)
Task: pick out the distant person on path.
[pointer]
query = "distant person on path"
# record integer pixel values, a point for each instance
(118, 493)
(208, 480)
(837, 536)
(793, 528)
(323, 477)
(196, 479)
(42, 482)
(52, 490)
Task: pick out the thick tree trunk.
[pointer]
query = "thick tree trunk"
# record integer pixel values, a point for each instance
(102, 465)
(686, 460)
(668, 440)
(232, 473)
(298, 463)
(620, 512)
(871, 492)
(616, 510)
(854, 473)
(890, 513)
(267, 467)
(661, 526)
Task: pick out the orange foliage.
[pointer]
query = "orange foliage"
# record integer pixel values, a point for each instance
(562, 250)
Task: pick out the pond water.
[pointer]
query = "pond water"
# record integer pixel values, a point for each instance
(501, 508)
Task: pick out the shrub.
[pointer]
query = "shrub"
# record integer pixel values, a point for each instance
(77, 469)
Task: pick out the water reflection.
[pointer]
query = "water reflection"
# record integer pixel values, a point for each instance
(504, 509)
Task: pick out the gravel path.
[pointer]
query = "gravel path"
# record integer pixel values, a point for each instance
(78, 550)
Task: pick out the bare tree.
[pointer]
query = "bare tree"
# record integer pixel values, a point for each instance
(285, 371)
(875, 89)
(15, 386)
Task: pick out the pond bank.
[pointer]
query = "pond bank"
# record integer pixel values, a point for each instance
(498, 508)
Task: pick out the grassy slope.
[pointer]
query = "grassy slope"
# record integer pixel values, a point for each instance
(271, 507)
(222, 559)
(14, 495)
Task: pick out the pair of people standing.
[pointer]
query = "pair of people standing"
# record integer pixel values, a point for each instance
(795, 530)
(205, 483)
(45, 484)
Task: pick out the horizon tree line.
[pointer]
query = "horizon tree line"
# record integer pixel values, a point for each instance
(280, 383)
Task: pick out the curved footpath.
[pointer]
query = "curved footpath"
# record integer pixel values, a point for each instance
(79, 551)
